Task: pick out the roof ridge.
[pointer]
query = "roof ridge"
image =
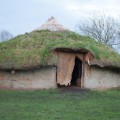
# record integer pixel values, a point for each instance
(52, 24)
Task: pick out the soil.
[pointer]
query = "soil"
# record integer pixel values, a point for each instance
(72, 89)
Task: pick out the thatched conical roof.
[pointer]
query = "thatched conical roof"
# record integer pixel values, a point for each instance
(52, 25)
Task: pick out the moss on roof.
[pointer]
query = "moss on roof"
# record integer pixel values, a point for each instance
(33, 49)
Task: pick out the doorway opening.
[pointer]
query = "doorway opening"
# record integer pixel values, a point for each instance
(77, 73)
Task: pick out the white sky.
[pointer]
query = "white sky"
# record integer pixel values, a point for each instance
(20, 16)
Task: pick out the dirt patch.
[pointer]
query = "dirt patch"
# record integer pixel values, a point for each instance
(74, 92)
(72, 89)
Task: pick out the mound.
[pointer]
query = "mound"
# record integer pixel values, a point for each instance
(35, 49)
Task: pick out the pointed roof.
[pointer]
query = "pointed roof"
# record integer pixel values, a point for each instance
(52, 25)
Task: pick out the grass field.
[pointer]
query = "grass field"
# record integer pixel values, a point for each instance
(57, 104)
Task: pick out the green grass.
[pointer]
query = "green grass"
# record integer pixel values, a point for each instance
(56, 105)
(34, 49)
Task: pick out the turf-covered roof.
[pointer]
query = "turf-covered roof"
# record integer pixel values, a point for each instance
(34, 49)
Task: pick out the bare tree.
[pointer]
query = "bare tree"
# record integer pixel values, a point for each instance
(102, 28)
(5, 35)
(118, 33)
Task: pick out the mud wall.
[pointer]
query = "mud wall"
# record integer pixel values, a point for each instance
(101, 78)
(36, 79)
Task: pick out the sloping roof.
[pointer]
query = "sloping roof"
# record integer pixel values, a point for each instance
(33, 50)
(105, 64)
(72, 50)
(52, 25)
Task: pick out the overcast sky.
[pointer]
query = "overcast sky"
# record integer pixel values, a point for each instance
(20, 16)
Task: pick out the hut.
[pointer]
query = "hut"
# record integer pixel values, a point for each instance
(52, 56)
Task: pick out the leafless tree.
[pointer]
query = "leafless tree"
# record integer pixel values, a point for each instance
(5, 35)
(102, 28)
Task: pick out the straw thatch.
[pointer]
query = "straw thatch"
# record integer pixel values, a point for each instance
(52, 25)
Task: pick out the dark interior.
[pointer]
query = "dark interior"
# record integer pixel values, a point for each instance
(77, 72)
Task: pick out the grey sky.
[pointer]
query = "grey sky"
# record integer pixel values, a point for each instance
(20, 16)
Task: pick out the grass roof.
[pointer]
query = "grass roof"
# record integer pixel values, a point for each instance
(33, 49)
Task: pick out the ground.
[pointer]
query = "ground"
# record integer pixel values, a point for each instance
(60, 104)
